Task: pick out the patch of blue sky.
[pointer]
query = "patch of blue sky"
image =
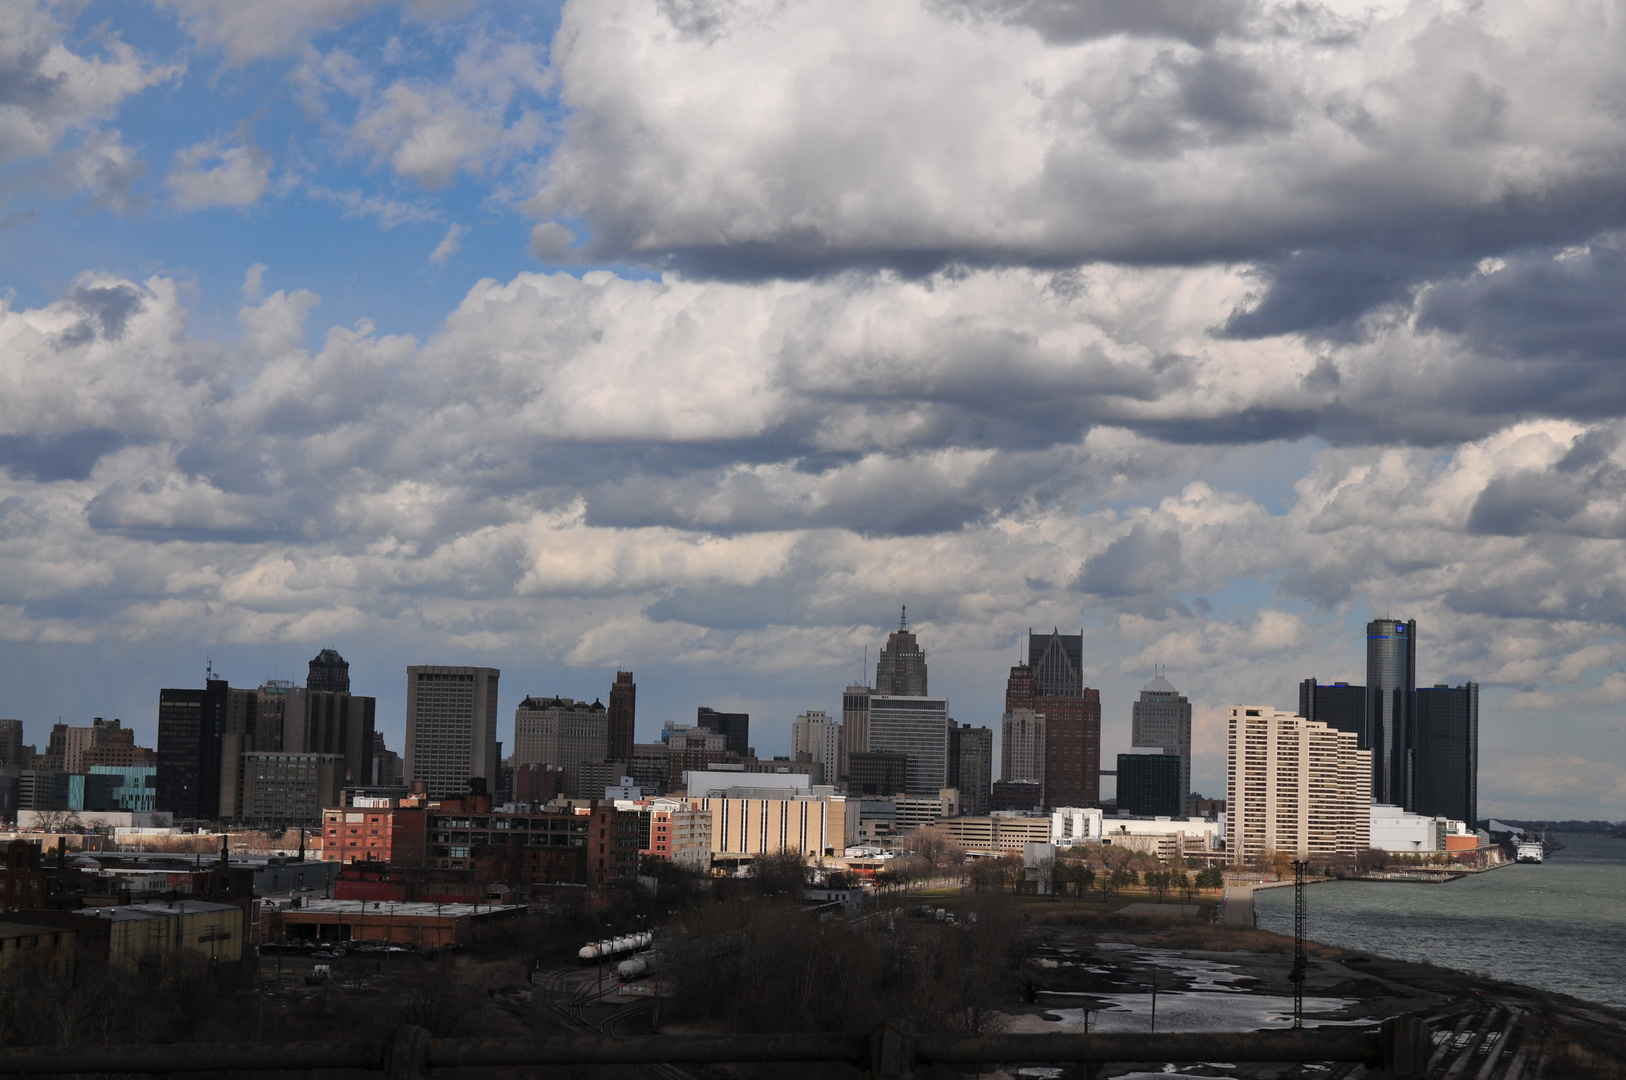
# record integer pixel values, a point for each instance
(334, 217)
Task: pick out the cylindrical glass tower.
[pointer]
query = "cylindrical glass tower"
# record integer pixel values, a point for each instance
(1391, 690)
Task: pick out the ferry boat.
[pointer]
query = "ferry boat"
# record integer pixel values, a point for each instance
(1529, 851)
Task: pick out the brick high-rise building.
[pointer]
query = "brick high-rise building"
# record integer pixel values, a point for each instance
(623, 716)
(1072, 719)
(901, 670)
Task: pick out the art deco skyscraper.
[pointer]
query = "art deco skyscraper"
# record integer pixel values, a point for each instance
(329, 673)
(1162, 717)
(1391, 691)
(901, 670)
(451, 727)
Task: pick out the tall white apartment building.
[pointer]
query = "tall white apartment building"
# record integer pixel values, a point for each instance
(818, 736)
(451, 727)
(1294, 785)
(1022, 748)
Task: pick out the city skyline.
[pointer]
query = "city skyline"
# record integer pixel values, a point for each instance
(511, 739)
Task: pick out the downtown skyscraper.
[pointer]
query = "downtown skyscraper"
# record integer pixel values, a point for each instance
(1072, 719)
(451, 727)
(1391, 693)
(901, 670)
(1162, 718)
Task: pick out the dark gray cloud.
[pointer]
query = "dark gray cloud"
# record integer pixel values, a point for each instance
(1068, 22)
(46, 458)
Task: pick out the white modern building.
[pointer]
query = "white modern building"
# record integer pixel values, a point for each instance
(1294, 786)
(1397, 830)
(817, 735)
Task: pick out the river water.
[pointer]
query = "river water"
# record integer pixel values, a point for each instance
(1558, 925)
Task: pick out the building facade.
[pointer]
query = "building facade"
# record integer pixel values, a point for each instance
(1338, 705)
(1072, 718)
(1149, 784)
(810, 826)
(622, 717)
(1162, 718)
(451, 726)
(392, 835)
(560, 732)
(854, 724)
(282, 789)
(734, 727)
(918, 728)
(815, 734)
(328, 673)
(1446, 752)
(1295, 786)
(190, 726)
(1391, 691)
(901, 669)
(681, 835)
(1022, 749)
(877, 773)
(971, 766)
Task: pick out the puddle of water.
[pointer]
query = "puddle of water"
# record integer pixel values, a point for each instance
(1180, 1011)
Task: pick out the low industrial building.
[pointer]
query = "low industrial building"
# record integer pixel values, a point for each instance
(145, 937)
(29, 951)
(422, 925)
(1394, 829)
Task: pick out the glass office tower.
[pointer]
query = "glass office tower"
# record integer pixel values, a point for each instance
(1391, 686)
(1446, 752)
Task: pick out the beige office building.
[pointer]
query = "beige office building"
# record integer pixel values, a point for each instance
(1295, 786)
(1022, 748)
(997, 834)
(451, 727)
(762, 826)
(818, 736)
(566, 734)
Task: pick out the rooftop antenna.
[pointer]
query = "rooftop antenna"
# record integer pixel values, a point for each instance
(208, 668)
(903, 620)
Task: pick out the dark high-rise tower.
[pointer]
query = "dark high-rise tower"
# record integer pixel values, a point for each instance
(1057, 661)
(1339, 705)
(622, 716)
(733, 726)
(901, 670)
(1391, 686)
(1446, 752)
(190, 726)
(1072, 718)
(330, 673)
(1162, 718)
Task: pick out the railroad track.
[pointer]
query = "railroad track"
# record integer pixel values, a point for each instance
(568, 993)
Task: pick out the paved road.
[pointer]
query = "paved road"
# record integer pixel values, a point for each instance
(1239, 905)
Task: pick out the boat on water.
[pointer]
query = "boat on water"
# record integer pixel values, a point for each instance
(1530, 851)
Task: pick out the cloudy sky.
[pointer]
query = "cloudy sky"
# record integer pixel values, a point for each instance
(697, 336)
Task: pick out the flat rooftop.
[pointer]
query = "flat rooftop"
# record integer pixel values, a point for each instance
(385, 908)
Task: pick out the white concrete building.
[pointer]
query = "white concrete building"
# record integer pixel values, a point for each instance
(1294, 786)
(451, 727)
(1397, 830)
(1071, 825)
(818, 736)
(1021, 750)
